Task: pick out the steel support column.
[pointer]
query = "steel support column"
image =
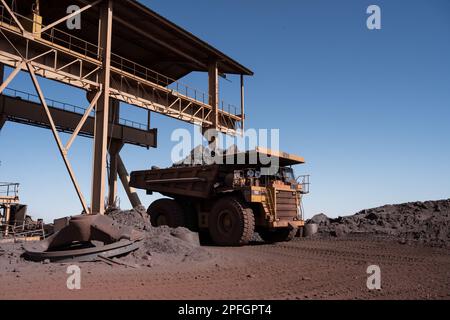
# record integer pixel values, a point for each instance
(7, 218)
(242, 103)
(116, 146)
(210, 133)
(2, 74)
(102, 111)
(213, 88)
(2, 121)
(125, 179)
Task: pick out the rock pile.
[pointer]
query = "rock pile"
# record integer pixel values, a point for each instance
(426, 222)
(161, 245)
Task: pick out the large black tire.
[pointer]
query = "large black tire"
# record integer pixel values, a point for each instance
(278, 235)
(166, 212)
(230, 223)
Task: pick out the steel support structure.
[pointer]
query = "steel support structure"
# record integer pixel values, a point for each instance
(23, 107)
(2, 121)
(130, 82)
(92, 77)
(211, 132)
(25, 62)
(102, 111)
(7, 217)
(63, 151)
(2, 75)
(213, 88)
(125, 179)
(242, 104)
(114, 149)
(95, 69)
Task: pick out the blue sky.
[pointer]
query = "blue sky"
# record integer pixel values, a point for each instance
(369, 110)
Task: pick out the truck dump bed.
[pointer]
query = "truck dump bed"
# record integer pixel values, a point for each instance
(198, 181)
(195, 181)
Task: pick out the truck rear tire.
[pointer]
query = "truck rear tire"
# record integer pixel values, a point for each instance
(230, 223)
(166, 212)
(278, 235)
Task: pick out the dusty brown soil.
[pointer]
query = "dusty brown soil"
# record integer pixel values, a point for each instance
(317, 268)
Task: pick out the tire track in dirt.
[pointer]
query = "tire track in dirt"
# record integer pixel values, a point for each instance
(301, 269)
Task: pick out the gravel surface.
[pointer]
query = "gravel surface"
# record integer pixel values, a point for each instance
(407, 241)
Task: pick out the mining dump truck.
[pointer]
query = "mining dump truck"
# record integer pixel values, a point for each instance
(229, 202)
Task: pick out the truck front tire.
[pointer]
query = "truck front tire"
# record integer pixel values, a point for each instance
(166, 212)
(230, 223)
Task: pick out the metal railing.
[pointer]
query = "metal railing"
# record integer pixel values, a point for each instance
(90, 50)
(14, 93)
(148, 74)
(133, 124)
(56, 36)
(9, 190)
(304, 182)
(24, 230)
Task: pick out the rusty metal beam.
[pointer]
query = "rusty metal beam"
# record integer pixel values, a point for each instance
(102, 111)
(242, 103)
(57, 138)
(125, 179)
(11, 76)
(213, 90)
(83, 120)
(30, 112)
(7, 218)
(3, 117)
(124, 86)
(114, 149)
(2, 121)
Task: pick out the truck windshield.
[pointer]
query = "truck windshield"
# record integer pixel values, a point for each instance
(287, 174)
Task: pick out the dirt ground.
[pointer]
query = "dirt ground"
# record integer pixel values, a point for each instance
(317, 268)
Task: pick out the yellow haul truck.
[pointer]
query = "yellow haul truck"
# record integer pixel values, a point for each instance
(230, 201)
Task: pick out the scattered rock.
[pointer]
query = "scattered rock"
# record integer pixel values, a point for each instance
(163, 244)
(146, 257)
(339, 231)
(372, 216)
(424, 222)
